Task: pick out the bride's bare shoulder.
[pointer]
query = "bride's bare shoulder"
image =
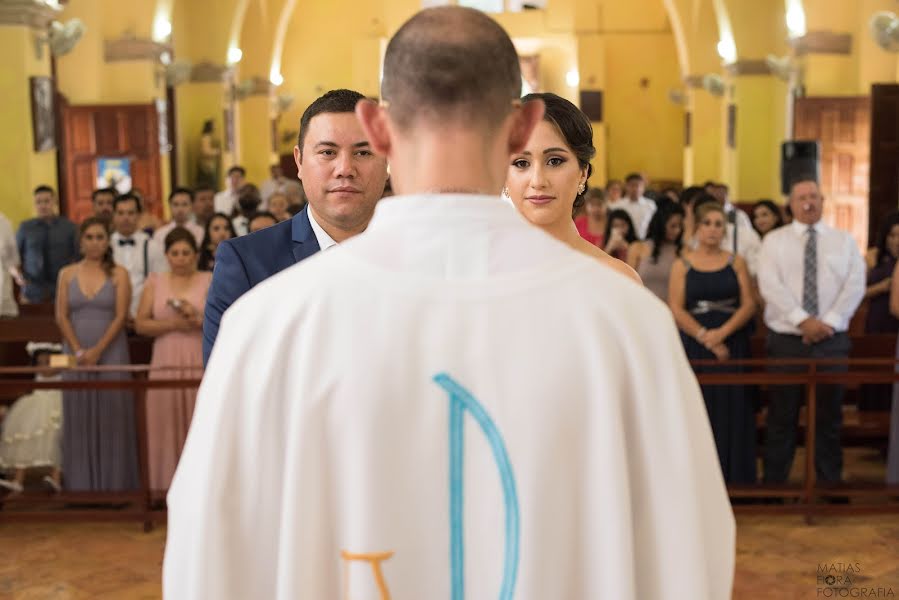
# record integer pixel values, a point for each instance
(610, 261)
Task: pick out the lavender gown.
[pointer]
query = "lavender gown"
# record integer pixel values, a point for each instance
(99, 434)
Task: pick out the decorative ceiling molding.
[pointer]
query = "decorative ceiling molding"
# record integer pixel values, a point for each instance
(125, 48)
(823, 42)
(749, 67)
(207, 72)
(31, 13)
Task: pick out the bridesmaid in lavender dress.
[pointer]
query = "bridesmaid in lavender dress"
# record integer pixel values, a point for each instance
(171, 310)
(99, 435)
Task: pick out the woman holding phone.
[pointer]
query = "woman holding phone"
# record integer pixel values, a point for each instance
(171, 310)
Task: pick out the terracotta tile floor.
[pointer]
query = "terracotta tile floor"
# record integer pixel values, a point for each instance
(777, 556)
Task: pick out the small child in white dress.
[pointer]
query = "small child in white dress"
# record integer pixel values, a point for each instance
(31, 433)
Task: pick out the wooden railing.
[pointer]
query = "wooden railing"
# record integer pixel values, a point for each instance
(770, 372)
(802, 499)
(141, 504)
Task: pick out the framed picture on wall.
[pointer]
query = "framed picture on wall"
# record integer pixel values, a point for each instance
(43, 120)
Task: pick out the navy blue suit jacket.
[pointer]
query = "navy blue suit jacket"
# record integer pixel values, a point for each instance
(242, 262)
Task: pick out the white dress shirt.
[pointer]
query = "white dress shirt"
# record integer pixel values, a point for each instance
(225, 201)
(268, 188)
(139, 259)
(841, 277)
(241, 225)
(321, 236)
(640, 211)
(749, 244)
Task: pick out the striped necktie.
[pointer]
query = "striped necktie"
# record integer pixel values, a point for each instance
(810, 274)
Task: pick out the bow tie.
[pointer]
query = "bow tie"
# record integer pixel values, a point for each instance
(127, 242)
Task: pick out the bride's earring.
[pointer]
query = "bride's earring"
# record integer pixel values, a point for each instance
(580, 189)
(506, 192)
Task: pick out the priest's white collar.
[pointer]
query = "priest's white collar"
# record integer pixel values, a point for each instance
(442, 205)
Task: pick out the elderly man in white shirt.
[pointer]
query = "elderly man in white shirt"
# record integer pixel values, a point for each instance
(634, 203)
(420, 419)
(812, 278)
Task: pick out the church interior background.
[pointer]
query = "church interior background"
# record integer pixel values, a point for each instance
(683, 90)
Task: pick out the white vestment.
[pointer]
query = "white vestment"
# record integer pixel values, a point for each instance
(463, 402)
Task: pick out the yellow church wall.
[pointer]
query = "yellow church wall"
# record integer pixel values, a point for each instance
(200, 31)
(549, 33)
(200, 34)
(875, 65)
(838, 74)
(315, 62)
(197, 102)
(703, 158)
(27, 168)
(634, 15)
(591, 56)
(257, 37)
(84, 77)
(760, 116)
(644, 130)
(366, 66)
(706, 140)
(851, 74)
(255, 136)
(751, 169)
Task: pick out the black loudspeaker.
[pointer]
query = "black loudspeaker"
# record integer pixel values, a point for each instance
(799, 159)
(591, 104)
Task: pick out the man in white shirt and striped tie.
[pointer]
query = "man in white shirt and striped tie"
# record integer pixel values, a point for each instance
(812, 278)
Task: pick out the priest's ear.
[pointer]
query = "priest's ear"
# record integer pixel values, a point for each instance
(373, 118)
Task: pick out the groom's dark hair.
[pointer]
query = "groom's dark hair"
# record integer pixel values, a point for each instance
(335, 101)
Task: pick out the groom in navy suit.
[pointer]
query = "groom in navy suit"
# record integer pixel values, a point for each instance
(343, 180)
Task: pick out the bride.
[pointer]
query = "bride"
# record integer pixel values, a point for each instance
(549, 178)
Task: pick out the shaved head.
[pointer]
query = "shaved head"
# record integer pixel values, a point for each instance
(450, 63)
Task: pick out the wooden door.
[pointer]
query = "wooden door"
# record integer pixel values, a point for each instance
(843, 126)
(884, 183)
(109, 131)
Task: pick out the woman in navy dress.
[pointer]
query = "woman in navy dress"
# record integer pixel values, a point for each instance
(881, 262)
(710, 295)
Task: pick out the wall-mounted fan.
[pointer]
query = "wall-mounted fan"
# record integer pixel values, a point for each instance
(677, 96)
(283, 102)
(714, 84)
(178, 72)
(783, 67)
(244, 89)
(885, 30)
(61, 38)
